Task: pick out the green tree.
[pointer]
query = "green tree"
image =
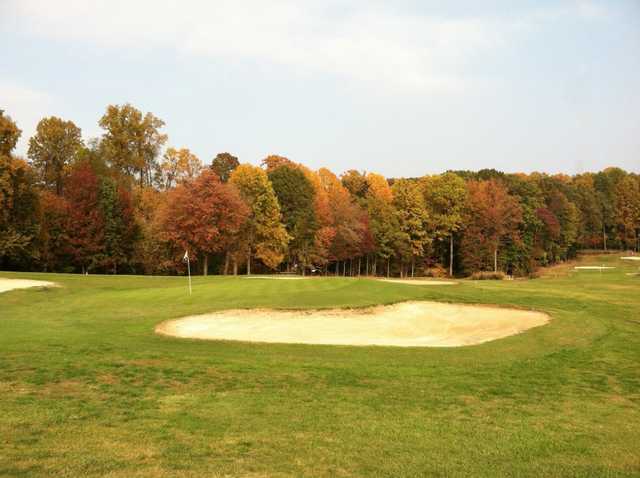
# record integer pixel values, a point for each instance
(262, 235)
(356, 183)
(120, 229)
(605, 183)
(223, 165)
(131, 142)
(52, 149)
(412, 222)
(296, 198)
(445, 199)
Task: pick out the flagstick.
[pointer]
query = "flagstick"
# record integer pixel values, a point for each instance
(189, 271)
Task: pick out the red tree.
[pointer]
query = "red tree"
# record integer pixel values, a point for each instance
(494, 217)
(85, 221)
(202, 215)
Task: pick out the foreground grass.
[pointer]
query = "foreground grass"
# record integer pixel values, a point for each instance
(87, 388)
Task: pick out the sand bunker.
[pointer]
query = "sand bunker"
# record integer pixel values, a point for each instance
(10, 284)
(408, 324)
(419, 281)
(593, 268)
(631, 258)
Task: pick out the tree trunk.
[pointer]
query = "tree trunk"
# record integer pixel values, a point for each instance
(235, 266)
(205, 265)
(413, 265)
(367, 266)
(226, 263)
(359, 265)
(604, 236)
(388, 266)
(249, 264)
(451, 255)
(495, 260)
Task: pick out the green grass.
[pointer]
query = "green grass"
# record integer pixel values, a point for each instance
(87, 388)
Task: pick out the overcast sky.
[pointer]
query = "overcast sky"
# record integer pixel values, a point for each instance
(403, 88)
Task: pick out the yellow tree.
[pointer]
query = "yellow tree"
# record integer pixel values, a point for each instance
(263, 235)
(177, 165)
(445, 197)
(52, 149)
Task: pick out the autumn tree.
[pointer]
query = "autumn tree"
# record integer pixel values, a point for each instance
(383, 219)
(585, 197)
(348, 222)
(262, 235)
(445, 199)
(54, 239)
(52, 149)
(202, 215)
(296, 198)
(628, 211)
(9, 134)
(493, 219)
(412, 222)
(85, 220)
(177, 165)
(19, 211)
(19, 204)
(152, 254)
(356, 183)
(273, 162)
(223, 165)
(132, 141)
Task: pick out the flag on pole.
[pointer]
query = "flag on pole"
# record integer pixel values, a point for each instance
(185, 258)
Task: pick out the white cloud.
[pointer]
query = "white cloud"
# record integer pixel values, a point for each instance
(362, 42)
(26, 107)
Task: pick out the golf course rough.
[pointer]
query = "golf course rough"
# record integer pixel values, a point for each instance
(88, 389)
(407, 324)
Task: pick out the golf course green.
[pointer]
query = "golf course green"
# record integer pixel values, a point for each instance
(87, 388)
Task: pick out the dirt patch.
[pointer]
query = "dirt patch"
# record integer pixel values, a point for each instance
(11, 284)
(419, 281)
(408, 324)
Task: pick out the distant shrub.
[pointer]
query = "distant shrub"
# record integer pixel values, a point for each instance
(488, 275)
(436, 271)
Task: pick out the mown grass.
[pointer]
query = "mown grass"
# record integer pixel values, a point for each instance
(87, 388)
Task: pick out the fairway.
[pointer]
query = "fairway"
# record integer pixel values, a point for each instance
(87, 388)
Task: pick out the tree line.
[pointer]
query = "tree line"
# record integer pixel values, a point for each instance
(122, 203)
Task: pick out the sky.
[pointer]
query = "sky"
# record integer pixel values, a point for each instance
(402, 88)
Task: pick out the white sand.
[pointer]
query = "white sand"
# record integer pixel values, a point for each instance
(408, 324)
(631, 258)
(10, 284)
(419, 281)
(593, 268)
